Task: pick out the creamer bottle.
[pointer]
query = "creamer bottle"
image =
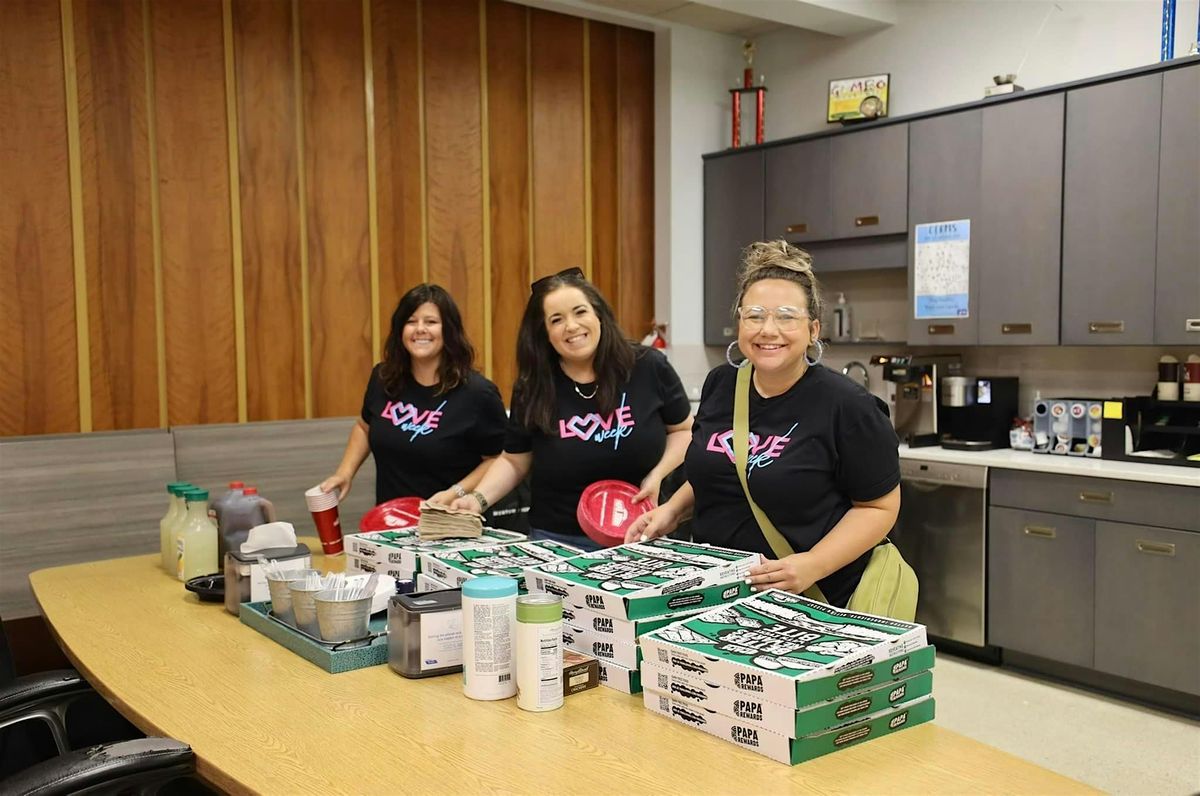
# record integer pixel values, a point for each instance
(166, 537)
(196, 550)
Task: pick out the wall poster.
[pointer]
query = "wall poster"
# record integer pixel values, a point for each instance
(941, 270)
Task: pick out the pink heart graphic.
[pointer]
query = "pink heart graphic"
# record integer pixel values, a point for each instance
(581, 427)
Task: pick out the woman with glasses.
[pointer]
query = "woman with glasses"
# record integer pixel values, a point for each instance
(822, 460)
(588, 405)
(432, 423)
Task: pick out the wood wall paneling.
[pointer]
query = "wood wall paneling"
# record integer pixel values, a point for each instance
(556, 45)
(39, 382)
(115, 148)
(331, 40)
(398, 154)
(192, 135)
(635, 76)
(454, 158)
(508, 144)
(270, 209)
(603, 119)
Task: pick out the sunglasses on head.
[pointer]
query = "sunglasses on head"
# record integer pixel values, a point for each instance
(568, 273)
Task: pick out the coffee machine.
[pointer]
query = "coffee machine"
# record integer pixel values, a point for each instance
(976, 412)
(911, 382)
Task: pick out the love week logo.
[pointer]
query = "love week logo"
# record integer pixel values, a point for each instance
(595, 428)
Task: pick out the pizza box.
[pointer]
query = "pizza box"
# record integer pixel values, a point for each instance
(619, 631)
(628, 681)
(456, 567)
(404, 548)
(601, 647)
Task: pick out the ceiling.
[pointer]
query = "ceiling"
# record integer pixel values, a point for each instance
(756, 17)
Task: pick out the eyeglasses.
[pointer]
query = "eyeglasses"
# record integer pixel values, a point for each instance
(568, 273)
(787, 319)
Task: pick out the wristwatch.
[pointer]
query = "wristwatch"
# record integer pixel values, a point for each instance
(483, 502)
(458, 491)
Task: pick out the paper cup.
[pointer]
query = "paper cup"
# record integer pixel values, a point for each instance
(319, 501)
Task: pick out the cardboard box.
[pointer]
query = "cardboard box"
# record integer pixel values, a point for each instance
(619, 631)
(580, 672)
(653, 578)
(788, 649)
(627, 681)
(403, 549)
(758, 712)
(456, 567)
(602, 647)
(355, 564)
(781, 747)
(425, 583)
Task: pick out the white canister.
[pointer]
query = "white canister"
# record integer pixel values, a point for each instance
(489, 609)
(539, 652)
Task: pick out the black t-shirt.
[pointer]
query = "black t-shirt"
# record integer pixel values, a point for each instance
(624, 445)
(424, 442)
(813, 449)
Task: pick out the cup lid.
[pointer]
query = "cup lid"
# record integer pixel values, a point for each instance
(606, 510)
(395, 514)
(490, 586)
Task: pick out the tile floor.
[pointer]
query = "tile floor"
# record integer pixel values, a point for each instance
(1116, 746)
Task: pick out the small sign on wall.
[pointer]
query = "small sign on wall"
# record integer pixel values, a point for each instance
(942, 269)
(855, 99)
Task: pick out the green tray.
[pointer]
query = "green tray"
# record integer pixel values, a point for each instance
(333, 658)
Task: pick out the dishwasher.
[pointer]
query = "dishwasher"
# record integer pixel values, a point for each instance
(942, 533)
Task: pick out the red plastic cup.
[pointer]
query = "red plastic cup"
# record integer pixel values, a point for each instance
(324, 508)
(606, 511)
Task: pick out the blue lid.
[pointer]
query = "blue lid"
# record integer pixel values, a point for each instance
(490, 586)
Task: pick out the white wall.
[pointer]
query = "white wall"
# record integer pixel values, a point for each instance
(944, 52)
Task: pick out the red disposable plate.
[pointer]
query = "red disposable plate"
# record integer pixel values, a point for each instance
(606, 510)
(394, 515)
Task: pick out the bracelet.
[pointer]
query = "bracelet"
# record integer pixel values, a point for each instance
(458, 491)
(483, 502)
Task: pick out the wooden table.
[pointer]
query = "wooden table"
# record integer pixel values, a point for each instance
(262, 719)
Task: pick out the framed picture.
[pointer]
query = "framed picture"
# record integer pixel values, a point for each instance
(853, 99)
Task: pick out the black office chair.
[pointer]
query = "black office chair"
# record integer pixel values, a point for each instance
(41, 702)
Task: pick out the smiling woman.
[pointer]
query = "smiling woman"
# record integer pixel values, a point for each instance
(588, 406)
(433, 424)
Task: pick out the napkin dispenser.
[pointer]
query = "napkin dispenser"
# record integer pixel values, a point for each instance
(245, 580)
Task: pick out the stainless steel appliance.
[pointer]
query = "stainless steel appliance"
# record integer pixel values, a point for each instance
(912, 387)
(942, 532)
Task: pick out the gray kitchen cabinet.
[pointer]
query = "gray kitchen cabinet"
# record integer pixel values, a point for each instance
(1110, 198)
(1016, 244)
(1177, 281)
(1040, 584)
(1148, 605)
(797, 203)
(733, 219)
(870, 182)
(944, 162)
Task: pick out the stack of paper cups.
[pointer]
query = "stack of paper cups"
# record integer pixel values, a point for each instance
(324, 508)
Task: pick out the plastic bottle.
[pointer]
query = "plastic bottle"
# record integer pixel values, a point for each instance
(841, 320)
(196, 550)
(175, 510)
(539, 652)
(177, 525)
(489, 609)
(239, 510)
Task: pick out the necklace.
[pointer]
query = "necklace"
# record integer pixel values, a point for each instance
(579, 392)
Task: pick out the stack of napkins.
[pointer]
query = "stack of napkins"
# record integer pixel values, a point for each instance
(440, 522)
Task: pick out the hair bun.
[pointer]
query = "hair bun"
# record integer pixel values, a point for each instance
(775, 254)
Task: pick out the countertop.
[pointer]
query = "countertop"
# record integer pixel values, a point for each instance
(1065, 465)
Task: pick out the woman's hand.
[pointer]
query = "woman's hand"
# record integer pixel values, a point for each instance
(339, 482)
(445, 498)
(467, 503)
(653, 524)
(795, 573)
(649, 488)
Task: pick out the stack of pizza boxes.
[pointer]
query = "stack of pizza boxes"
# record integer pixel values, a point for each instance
(789, 677)
(397, 554)
(450, 569)
(612, 597)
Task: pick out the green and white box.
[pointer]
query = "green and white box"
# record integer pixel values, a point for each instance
(403, 549)
(355, 565)
(425, 583)
(781, 747)
(652, 578)
(456, 567)
(756, 711)
(628, 681)
(619, 631)
(601, 647)
(788, 649)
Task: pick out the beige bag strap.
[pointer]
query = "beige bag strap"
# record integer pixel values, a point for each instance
(741, 452)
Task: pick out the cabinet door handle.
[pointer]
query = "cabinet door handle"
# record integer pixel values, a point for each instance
(1016, 328)
(1105, 327)
(797, 229)
(1041, 531)
(1191, 325)
(941, 328)
(1155, 548)
(1087, 496)
(866, 221)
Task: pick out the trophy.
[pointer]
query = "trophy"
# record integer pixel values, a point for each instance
(748, 87)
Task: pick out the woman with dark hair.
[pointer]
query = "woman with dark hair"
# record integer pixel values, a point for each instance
(433, 424)
(588, 405)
